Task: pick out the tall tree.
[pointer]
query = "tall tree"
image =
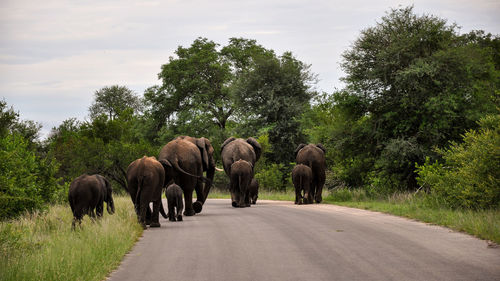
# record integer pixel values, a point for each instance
(198, 84)
(112, 100)
(276, 90)
(420, 84)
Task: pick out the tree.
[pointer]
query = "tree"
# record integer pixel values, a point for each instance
(469, 175)
(419, 84)
(113, 100)
(27, 180)
(198, 84)
(275, 91)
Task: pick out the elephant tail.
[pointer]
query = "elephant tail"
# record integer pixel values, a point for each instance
(176, 166)
(162, 211)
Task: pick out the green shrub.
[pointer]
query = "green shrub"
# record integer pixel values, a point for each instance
(12, 206)
(25, 179)
(470, 174)
(270, 177)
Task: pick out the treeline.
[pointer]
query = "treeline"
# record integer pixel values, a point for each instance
(419, 111)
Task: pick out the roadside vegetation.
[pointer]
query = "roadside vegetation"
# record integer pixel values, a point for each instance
(41, 245)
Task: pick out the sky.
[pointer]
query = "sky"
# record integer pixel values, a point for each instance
(54, 54)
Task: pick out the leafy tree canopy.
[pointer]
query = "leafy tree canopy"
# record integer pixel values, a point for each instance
(113, 100)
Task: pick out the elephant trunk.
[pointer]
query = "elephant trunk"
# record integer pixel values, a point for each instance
(208, 185)
(110, 207)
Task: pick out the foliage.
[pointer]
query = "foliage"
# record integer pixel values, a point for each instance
(484, 224)
(103, 146)
(27, 180)
(112, 101)
(41, 246)
(412, 83)
(241, 84)
(470, 174)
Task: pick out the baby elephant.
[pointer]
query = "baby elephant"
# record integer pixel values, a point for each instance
(302, 179)
(174, 200)
(88, 193)
(240, 177)
(254, 191)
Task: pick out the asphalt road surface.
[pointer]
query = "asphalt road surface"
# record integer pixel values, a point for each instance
(282, 241)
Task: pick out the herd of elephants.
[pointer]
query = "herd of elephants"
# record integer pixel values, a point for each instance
(179, 170)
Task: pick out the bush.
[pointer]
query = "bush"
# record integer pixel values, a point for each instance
(470, 174)
(26, 181)
(12, 206)
(270, 177)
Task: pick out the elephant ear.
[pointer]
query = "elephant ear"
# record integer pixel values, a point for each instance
(226, 142)
(256, 147)
(201, 143)
(320, 146)
(299, 148)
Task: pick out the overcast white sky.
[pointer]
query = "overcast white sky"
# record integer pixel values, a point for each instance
(55, 54)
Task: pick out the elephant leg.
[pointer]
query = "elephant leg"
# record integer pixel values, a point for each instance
(142, 215)
(319, 189)
(198, 205)
(155, 216)
(99, 209)
(148, 215)
(234, 199)
(171, 211)
(179, 212)
(247, 198)
(188, 199)
(298, 196)
(241, 199)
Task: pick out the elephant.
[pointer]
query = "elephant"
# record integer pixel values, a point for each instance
(240, 178)
(187, 159)
(174, 199)
(234, 149)
(88, 193)
(302, 180)
(313, 156)
(146, 179)
(254, 191)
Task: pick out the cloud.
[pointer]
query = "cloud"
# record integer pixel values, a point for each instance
(54, 54)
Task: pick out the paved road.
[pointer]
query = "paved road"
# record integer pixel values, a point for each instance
(281, 241)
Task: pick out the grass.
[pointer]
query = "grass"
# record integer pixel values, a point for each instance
(484, 224)
(41, 246)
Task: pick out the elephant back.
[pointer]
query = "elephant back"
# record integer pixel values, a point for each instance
(313, 156)
(185, 153)
(237, 149)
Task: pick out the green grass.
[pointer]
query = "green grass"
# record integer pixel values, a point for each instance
(484, 224)
(41, 246)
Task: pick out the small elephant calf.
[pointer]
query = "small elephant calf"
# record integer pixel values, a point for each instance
(302, 180)
(174, 200)
(254, 191)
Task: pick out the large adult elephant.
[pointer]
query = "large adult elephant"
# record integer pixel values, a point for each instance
(313, 156)
(234, 149)
(146, 179)
(188, 158)
(87, 194)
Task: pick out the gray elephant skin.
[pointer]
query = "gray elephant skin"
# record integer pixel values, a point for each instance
(187, 159)
(234, 149)
(302, 180)
(174, 200)
(313, 156)
(146, 179)
(87, 194)
(254, 191)
(240, 178)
